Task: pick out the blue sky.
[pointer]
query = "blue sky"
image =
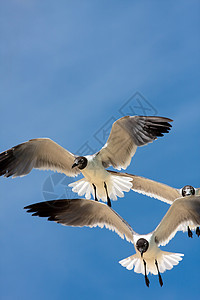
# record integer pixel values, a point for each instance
(67, 69)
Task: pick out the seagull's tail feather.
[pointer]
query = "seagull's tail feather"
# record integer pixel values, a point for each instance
(165, 260)
(82, 187)
(117, 185)
(131, 261)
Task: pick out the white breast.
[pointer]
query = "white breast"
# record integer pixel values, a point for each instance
(96, 174)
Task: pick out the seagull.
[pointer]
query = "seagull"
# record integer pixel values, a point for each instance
(161, 192)
(126, 135)
(149, 258)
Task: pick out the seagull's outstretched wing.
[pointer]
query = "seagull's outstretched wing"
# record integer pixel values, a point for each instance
(184, 211)
(37, 153)
(82, 212)
(151, 188)
(127, 134)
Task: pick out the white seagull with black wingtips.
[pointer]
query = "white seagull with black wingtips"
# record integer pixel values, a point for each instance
(148, 257)
(126, 135)
(162, 192)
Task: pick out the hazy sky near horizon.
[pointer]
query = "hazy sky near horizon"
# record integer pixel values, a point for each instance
(68, 70)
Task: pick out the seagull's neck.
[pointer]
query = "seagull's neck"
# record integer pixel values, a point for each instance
(93, 162)
(94, 169)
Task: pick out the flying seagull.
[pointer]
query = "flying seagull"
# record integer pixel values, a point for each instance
(162, 192)
(126, 135)
(148, 257)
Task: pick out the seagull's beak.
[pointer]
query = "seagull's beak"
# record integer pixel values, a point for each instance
(74, 165)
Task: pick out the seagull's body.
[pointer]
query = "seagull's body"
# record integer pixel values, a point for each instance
(96, 175)
(126, 135)
(149, 257)
(162, 192)
(156, 261)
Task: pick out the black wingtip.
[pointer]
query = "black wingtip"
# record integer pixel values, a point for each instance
(6, 161)
(46, 209)
(49, 209)
(158, 118)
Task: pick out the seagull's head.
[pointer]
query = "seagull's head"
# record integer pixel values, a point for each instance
(80, 162)
(142, 245)
(188, 190)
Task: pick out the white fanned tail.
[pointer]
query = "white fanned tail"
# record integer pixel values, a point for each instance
(116, 186)
(82, 187)
(166, 261)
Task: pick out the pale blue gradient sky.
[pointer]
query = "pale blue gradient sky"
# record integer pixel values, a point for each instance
(66, 68)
